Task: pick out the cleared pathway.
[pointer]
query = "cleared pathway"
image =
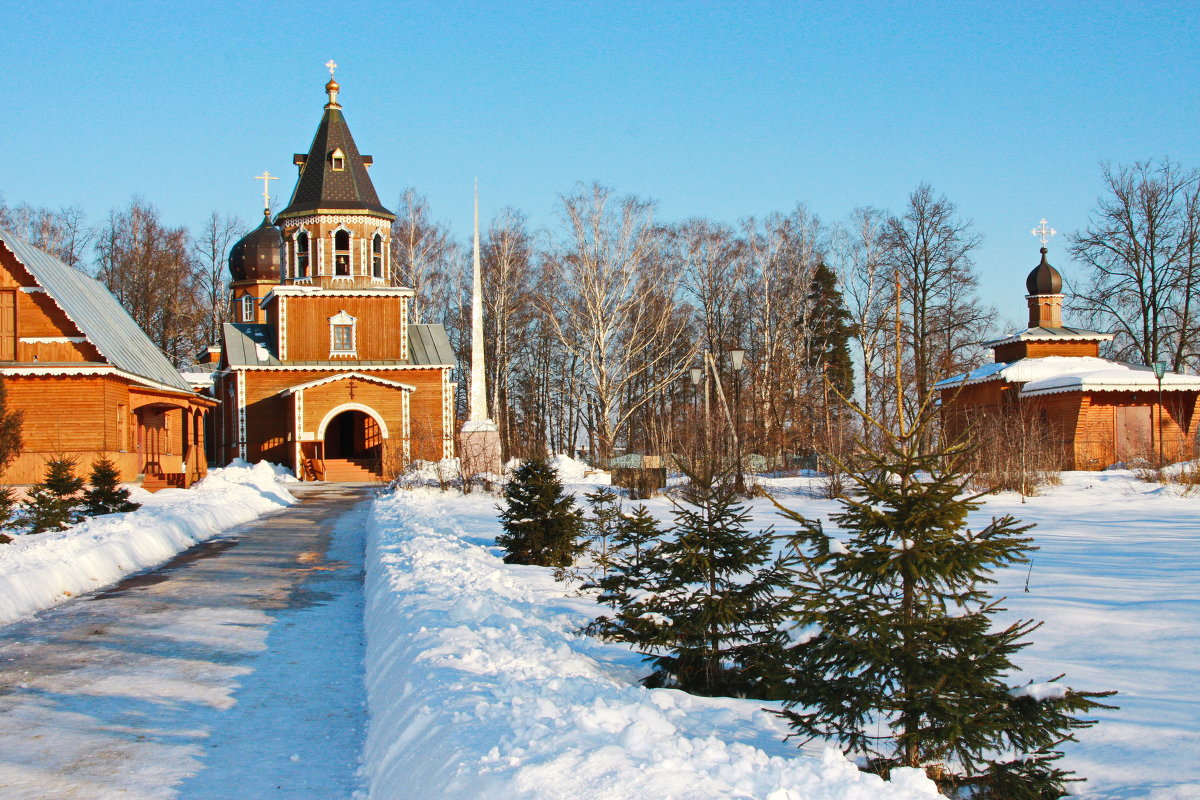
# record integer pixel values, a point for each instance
(233, 671)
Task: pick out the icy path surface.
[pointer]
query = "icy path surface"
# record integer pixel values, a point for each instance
(233, 671)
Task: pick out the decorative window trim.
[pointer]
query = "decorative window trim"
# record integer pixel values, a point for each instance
(349, 251)
(343, 320)
(296, 254)
(337, 160)
(247, 308)
(377, 255)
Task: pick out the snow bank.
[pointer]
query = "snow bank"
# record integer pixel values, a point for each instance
(479, 687)
(40, 570)
(569, 470)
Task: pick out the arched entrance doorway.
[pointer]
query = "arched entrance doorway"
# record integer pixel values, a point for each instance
(353, 435)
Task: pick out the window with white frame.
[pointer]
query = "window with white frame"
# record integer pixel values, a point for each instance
(341, 252)
(302, 254)
(343, 335)
(247, 308)
(337, 160)
(377, 256)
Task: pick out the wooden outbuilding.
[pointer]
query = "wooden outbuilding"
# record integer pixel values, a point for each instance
(88, 379)
(321, 371)
(1090, 411)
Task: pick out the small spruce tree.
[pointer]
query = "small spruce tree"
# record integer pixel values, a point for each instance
(720, 597)
(106, 496)
(904, 667)
(627, 582)
(598, 530)
(541, 524)
(53, 504)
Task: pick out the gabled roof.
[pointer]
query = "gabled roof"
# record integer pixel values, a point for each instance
(93, 309)
(1041, 334)
(322, 187)
(1053, 374)
(300, 387)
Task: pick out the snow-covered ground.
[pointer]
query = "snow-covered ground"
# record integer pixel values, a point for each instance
(40, 570)
(479, 684)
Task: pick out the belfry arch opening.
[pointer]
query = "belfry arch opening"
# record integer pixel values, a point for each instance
(354, 435)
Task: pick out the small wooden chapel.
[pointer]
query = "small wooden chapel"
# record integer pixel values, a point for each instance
(320, 371)
(1093, 411)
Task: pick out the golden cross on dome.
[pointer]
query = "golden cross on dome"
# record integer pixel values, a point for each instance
(265, 177)
(1043, 232)
(331, 65)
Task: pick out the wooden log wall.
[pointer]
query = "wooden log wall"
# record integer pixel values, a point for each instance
(379, 321)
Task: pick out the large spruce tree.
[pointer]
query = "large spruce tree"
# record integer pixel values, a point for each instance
(904, 666)
(541, 524)
(718, 596)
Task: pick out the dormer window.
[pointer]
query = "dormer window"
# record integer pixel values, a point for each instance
(343, 336)
(302, 254)
(337, 160)
(341, 252)
(377, 256)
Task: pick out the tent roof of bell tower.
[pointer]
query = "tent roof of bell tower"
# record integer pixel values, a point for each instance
(333, 175)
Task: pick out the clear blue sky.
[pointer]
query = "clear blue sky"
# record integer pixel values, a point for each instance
(720, 110)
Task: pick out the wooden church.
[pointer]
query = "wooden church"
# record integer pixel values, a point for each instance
(1093, 411)
(320, 371)
(88, 379)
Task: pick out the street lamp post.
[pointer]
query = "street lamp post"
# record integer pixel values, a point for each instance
(1160, 369)
(737, 357)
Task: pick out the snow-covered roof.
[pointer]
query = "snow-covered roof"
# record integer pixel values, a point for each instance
(1043, 334)
(1054, 374)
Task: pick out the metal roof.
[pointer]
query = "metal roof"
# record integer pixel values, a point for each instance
(249, 345)
(429, 345)
(1051, 334)
(253, 345)
(94, 310)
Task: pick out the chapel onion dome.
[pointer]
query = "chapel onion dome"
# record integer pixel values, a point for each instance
(1044, 279)
(256, 256)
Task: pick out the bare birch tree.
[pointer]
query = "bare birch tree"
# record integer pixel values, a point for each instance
(149, 269)
(1142, 247)
(63, 233)
(929, 247)
(865, 283)
(509, 296)
(615, 309)
(423, 256)
(210, 248)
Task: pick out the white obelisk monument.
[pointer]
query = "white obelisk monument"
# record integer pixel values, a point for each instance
(479, 442)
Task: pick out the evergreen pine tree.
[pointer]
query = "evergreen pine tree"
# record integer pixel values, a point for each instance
(8, 504)
(541, 524)
(53, 504)
(628, 581)
(721, 597)
(106, 496)
(828, 330)
(903, 639)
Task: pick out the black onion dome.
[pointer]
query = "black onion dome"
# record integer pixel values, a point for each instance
(1044, 279)
(256, 256)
